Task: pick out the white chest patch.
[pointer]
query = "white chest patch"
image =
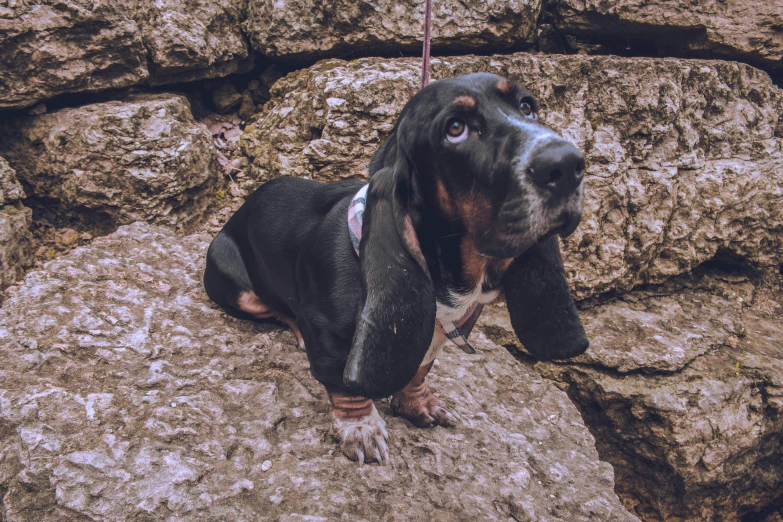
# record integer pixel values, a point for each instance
(449, 314)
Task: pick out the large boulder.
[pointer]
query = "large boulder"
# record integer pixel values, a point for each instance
(49, 48)
(749, 31)
(193, 39)
(682, 388)
(311, 29)
(15, 221)
(685, 157)
(125, 394)
(52, 47)
(140, 158)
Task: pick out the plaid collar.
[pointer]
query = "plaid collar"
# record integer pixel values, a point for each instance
(457, 332)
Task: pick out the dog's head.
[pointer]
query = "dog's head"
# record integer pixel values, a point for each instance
(468, 152)
(478, 151)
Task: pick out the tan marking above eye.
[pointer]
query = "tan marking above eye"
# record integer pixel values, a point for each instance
(505, 86)
(465, 102)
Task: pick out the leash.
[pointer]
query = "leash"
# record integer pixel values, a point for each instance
(425, 54)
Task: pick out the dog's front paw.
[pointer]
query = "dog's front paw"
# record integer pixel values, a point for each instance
(422, 408)
(363, 439)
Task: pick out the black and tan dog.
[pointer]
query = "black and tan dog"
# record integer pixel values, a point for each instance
(465, 198)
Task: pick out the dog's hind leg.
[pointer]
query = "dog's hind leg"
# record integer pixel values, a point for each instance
(228, 285)
(250, 303)
(359, 429)
(417, 403)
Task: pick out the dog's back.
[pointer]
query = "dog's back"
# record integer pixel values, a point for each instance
(257, 248)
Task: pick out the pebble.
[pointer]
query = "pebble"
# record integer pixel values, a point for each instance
(266, 465)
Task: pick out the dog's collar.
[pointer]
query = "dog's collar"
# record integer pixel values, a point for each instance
(456, 332)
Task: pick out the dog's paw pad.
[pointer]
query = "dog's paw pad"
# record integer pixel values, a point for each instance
(364, 439)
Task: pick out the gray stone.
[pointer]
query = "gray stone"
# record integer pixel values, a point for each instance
(683, 389)
(15, 246)
(15, 221)
(52, 47)
(684, 157)
(141, 158)
(126, 395)
(310, 29)
(226, 98)
(193, 39)
(10, 189)
(49, 48)
(749, 32)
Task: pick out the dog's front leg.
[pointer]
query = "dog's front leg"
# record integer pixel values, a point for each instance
(417, 403)
(359, 428)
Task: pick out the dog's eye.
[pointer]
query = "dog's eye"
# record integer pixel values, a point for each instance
(457, 130)
(527, 109)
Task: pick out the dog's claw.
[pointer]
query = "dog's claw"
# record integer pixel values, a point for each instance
(363, 439)
(423, 409)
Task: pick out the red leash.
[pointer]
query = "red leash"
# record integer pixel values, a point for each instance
(425, 55)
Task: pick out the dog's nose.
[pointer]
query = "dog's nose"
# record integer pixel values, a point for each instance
(558, 167)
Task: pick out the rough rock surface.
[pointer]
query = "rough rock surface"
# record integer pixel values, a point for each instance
(193, 39)
(141, 158)
(682, 388)
(49, 48)
(748, 31)
(311, 29)
(52, 47)
(126, 395)
(10, 189)
(15, 221)
(685, 157)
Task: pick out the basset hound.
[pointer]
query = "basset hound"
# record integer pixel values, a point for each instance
(464, 200)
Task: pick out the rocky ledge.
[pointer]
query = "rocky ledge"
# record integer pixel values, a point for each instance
(125, 395)
(683, 390)
(15, 221)
(139, 158)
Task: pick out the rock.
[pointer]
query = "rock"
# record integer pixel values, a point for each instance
(141, 158)
(66, 237)
(310, 29)
(193, 39)
(15, 246)
(247, 108)
(259, 88)
(700, 29)
(127, 395)
(685, 157)
(49, 48)
(10, 189)
(15, 222)
(226, 98)
(683, 389)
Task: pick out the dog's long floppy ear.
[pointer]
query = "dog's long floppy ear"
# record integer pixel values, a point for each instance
(397, 320)
(542, 310)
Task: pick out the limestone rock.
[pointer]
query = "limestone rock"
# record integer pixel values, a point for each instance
(10, 189)
(698, 433)
(685, 157)
(15, 221)
(126, 395)
(53, 47)
(749, 31)
(311, 29)
(141, 158)
(193, 39)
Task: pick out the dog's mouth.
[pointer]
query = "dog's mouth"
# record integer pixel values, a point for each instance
(520, 228)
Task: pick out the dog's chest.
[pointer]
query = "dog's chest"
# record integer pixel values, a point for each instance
(455, 307)
(457, 304)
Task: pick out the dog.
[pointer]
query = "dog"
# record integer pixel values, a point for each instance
(465, 199)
